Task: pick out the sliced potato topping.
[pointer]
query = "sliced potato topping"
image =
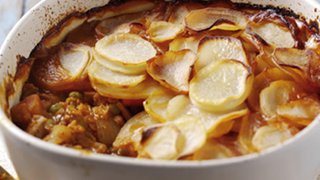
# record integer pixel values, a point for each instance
(181, 43)
(212, 150)
(277, 93)
(215, 49)
(160, 31)
(292, 57)
(111, 78)
(156, 105)
(275, 35)
(226, 27)
(202, 19)
(173, 69)
(221, 86)
(125, 48)
(162, 142)
(269, 136)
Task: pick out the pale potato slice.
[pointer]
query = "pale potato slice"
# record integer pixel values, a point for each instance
(162, 142)
(292, 57)
(125, 48)
(277, 93)
(141, 91)
(226, 27)
(181, 105)
(222, 129)
(215, 49)
(74, 59)
(193, 131)
(111, 78)
(173, 69)
(57, 37)
(181, 43)
(221, 86)
(156, 105)
(160, 31)
(270, 136)
(212, 150)
(202, 19)
(119, 67)
(274, 35)
(302, 111)
(125, 8)
(131, 133)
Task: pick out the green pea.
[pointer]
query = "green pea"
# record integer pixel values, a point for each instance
(55, 107)
(75, 94)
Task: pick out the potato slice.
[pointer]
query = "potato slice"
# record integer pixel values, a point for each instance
(181, 105)
(141, 91)
(202, 19)
(222, 129)
(160, 31)
(302, 111)
(181, 43)
(119, 67)
(131, 133)
(178, 17)
(274, 35)
(173, 69)
(277, 93)
(212, 150)
(225, 27)
(156, 105)
(292, 57)
(56, 37)
(74, 59)
(215, 49)
(111, 78)
(269, 136)
(221, 86)
(162, 142)
(125, 48)
(193, 131)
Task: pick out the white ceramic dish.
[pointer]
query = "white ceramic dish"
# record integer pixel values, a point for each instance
(297, 159)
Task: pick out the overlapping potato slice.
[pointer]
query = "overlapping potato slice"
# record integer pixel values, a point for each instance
(156, 105)
(178, 17)
(131, 133)
(292, 57)
(65, 70)
(274, 35)
(162, 142)
(125, 8)
(202, 19)
(181, 43)
(215, 49)
(160, 31)
(301, 111)
(277, 93)
(125, 48)
(221, 86)
(111, 78)
(140, 91)
(225, 27)
(173, 69)
(119, 67)
(212, 150)
(193, 131)
(56, 37)
(222, 129)
(269, 136)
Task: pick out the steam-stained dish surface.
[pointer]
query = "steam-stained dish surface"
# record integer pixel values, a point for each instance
(172, 80)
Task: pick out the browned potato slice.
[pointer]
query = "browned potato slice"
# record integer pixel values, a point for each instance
(160, 31)
(270, 136)
(226, 27)
(131, 133)
(141, 91)
(274, 35)
(202, 19)
(125, 8)
(302, 111)
(56, 37)
(292, 57)
(162, 142)
(221, 86)
(215, 49)
(125, 48)
(173, 69)
(111, 78)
